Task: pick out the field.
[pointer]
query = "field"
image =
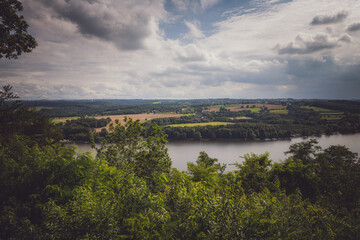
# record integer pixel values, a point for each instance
(63, 119)
(228, 105)
(142, 117)
(327, 114)
(199, 124)
(244, 107)
(255, 109)
(322, 110)
(283, 111)
(39, 108)
(241, 118)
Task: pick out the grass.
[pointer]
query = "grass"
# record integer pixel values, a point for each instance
(39, 108)
(332, 117)
(63, 119)
(227, 105)
(199, 124)
(332, 113)
(318, 109)
(279, 111)
(255, 109)
(241, 118)
(76, 117)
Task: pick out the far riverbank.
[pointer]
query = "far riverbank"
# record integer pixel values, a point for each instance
(228, 152)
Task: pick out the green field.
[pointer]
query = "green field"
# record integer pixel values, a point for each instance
(255, 109)
(228, 105)
(39, 108)
(332, 116)
(60, 119)
(199, 124)
(279, 111)
(321, 110)
(327, 114)
(241, 118)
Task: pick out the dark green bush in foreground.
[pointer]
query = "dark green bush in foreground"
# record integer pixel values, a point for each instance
(52, 192)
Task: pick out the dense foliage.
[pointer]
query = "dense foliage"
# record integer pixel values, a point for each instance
(129, 191)
(81, 130)
(14, 38)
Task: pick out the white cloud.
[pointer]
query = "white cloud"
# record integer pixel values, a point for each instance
(208, 3)
(329, 19)
(125, 23)
(237, 60)
(194, 30)
(307, 44)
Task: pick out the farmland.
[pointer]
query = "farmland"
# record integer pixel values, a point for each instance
(243, 107)
(322, 110)
(327, 114)
(279, 111)
(209, 118)
(199, 124)
(141, 117)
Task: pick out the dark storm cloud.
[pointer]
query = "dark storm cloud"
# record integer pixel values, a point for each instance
(305, 46)
(324, 79)
(105, 20)
(327, 19)
(310, 68)
(345, 38)
(354, 27)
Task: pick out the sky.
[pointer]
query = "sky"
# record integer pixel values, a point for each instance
(189, 49)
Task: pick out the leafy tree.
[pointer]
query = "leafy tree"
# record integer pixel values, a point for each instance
(107, 206)
(206, 169)
(29, 177)
(304, 151)
(136, 148)
(338, 170)
(17, 119)
(14, 38)
(254, 172)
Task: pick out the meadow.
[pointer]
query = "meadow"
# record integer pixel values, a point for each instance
(200, 124)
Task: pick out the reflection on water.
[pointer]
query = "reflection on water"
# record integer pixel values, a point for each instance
(230, 151)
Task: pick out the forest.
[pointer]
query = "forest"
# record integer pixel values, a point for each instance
(129, 190)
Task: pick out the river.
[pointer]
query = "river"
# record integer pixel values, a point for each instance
(229, 152)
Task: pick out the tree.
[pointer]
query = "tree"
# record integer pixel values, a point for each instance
(338, 170)
(304, 151)
(14, 38)
(29, 177)
(18, 120)
(206, 168)
(254, 172)
(137, 149)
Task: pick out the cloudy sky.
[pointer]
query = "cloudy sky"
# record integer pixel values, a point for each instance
(189, 49)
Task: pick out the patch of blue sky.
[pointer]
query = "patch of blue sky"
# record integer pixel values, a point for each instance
(175, 27)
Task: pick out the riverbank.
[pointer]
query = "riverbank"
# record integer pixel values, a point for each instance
(229, 152)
